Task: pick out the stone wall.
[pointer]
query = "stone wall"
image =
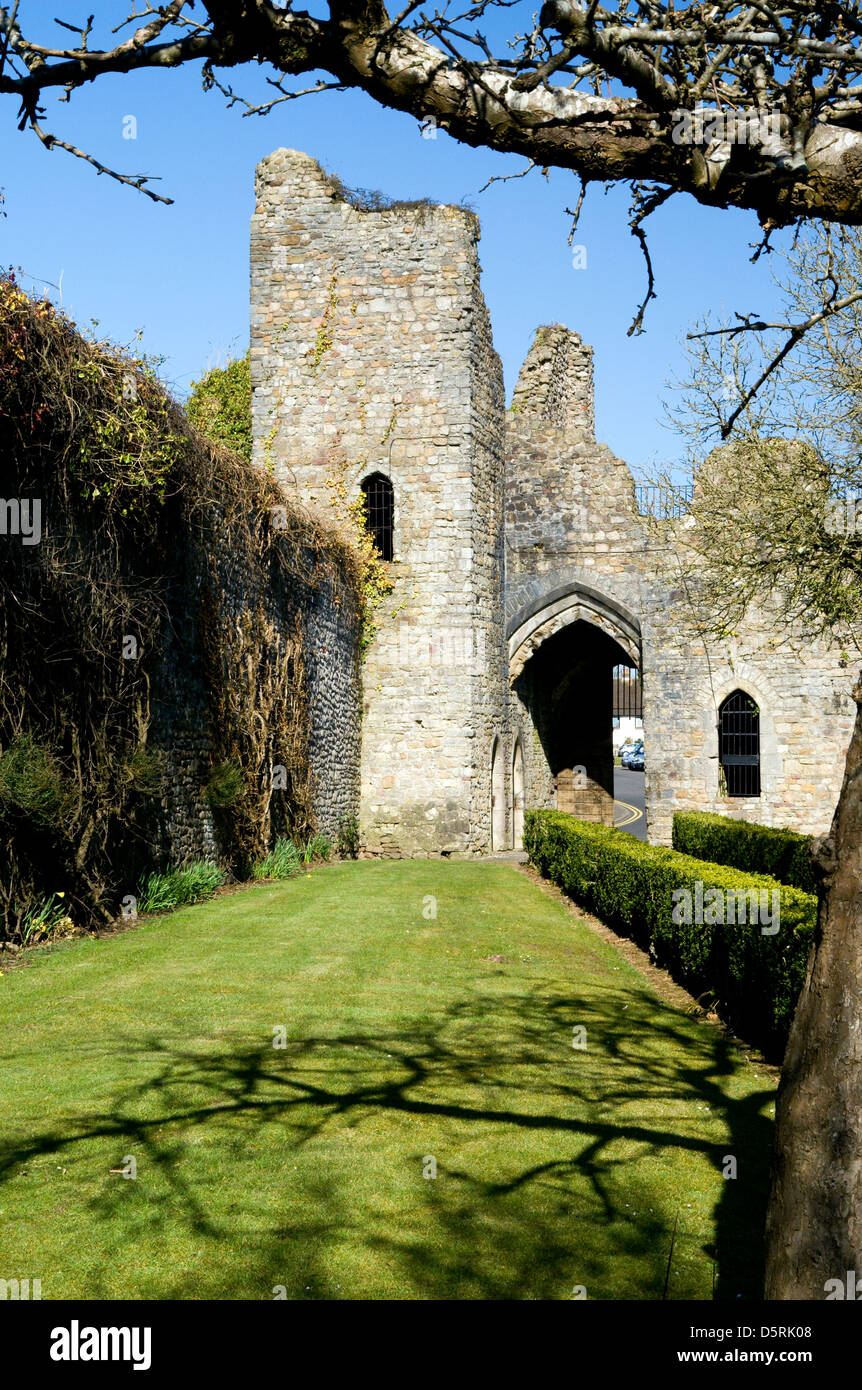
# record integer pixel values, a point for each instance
(806, 720)
(574, 577)
(577, 551)
(180, 732)
(317, 609)
(334, 708)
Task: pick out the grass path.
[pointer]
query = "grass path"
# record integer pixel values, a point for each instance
(407, 1046)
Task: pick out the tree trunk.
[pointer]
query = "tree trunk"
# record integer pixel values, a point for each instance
(814, 1222)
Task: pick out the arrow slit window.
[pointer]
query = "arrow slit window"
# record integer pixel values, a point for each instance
(379, 503)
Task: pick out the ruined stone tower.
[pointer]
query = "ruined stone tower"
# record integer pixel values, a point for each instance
(372, 359)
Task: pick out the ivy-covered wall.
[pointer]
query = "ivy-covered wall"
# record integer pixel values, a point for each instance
(179, 641)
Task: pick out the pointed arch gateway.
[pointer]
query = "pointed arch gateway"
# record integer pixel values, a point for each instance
(562, 606)
(564, 647)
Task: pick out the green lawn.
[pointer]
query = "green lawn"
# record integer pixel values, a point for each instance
(302, 1166)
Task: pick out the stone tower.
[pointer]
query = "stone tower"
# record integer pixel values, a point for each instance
(371, 358)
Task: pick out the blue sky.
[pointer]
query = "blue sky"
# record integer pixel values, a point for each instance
(179, 274)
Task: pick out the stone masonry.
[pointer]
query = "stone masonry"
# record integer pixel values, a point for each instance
(523, 571)
(372, 354)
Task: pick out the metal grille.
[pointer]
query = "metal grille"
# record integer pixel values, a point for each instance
(379, 512)
(662, 502)
(739, 745)
(627, 693)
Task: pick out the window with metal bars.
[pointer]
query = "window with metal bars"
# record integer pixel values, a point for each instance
(379, 501)
(739, 745)
(627, 702)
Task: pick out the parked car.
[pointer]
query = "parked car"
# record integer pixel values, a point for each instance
(636, 760)
(636, 751)
(628, 746)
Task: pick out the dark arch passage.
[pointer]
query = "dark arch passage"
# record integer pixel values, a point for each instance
(566, 688)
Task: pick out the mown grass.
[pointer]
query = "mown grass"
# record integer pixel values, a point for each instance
(301, 1167)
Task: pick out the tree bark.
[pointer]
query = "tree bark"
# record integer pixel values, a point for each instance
(604, 138)
(814, 1222)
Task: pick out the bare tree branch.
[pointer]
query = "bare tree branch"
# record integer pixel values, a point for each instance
(795, 333)
(138, 181)
(605, 93)
(645, 202)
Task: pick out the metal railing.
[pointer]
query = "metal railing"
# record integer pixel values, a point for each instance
(663, 502)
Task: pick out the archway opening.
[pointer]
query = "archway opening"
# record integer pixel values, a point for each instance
(498, 797)
(379, 506)
(518, 796)
(567, 690)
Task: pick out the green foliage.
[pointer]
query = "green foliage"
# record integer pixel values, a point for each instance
(757, 849)
(46, 919)
(286, 858)
(324, 338)
(101, 410)
(283, 861)
(176, 887)
(630, 886)
(90, 431)
(32, 785)
(129, 453)
(317, 849)
(375, 575)
(225, 785)
(220, 406)
(144, 771)
(347, 841)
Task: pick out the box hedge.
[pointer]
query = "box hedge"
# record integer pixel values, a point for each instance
(756, 849)
(629, 885)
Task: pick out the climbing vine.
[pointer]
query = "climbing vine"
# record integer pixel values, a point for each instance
(145, 529)
(324, 339)
(376, 579)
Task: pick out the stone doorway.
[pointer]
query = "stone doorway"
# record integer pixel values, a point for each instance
(518, 796)
(498, 798)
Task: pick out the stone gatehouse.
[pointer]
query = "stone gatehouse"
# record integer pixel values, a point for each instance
(523, 570)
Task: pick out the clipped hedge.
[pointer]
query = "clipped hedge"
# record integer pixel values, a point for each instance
(757, 849)
(630, 886)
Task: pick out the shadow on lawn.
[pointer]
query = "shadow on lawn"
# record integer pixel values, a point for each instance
(516, 1118)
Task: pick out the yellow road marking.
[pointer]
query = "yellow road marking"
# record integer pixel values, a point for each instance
(636, 814)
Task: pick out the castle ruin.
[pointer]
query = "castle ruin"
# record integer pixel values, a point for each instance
(523, 570)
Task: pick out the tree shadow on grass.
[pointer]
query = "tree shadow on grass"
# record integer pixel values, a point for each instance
(556, 1167)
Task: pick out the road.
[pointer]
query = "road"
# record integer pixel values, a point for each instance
(629, 802)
